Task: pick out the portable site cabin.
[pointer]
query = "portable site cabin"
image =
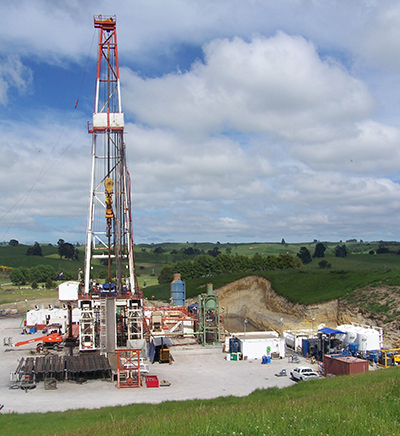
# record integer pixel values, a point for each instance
(255, 345)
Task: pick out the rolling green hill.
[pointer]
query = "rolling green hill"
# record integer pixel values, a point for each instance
(308, 285)
(16, 257)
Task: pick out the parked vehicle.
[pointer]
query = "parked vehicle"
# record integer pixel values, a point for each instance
(303, 373)
(53, 340)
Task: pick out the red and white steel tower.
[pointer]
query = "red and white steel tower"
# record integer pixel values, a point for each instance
(109, 232)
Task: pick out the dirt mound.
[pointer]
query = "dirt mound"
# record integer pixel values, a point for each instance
(253, 298)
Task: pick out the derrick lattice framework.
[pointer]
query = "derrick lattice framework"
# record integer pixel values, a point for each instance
(109, 233)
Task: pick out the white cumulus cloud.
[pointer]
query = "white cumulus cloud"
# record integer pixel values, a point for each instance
(277, 85)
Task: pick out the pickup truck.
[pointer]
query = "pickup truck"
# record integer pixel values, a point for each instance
(303, 373)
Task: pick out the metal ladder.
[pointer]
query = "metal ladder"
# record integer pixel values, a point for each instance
(103, 327)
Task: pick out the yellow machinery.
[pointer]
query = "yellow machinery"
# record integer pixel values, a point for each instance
(389, 357)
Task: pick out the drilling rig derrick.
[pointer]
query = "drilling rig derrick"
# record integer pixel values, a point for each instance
(112, 311)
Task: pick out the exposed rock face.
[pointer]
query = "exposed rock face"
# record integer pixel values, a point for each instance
(252, 298)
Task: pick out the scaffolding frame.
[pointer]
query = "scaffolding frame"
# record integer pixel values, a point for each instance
(128, 369)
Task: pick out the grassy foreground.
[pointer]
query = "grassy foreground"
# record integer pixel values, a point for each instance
(355, 405)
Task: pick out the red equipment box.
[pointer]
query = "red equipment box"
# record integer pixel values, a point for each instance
(152, 381)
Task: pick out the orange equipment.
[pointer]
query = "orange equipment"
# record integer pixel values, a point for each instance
(53, 340)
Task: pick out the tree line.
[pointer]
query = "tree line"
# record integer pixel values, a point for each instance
(342, 251)
(37, 274)
(205, 265)
(305, 256)
(65, 249)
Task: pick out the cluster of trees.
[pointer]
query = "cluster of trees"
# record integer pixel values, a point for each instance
(305, 256)
(38, 274)
(190, 251)
(67, 250)
(159, 250)
(323, 264)
(341, 251)
(36, 250)
(205, 265)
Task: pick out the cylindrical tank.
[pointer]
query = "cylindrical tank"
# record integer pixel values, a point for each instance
(178, 291)
(367, 339)
(351, 333)
(210, 300)
(290, 339)
(361, 341)
(373, 342)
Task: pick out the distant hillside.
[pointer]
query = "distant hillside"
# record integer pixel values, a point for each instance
(16, 256)
(361, 267)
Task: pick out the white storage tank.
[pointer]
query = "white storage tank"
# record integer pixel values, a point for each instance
(367, 338)
(294, 340)
(351, 335)
(374, 338)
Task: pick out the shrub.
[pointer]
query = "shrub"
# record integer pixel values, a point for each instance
(324, 264)
(382, 250)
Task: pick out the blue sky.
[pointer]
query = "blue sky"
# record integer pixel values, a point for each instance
(245, 120)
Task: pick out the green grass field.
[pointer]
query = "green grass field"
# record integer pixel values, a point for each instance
(354, 405)
(13, 294)
(16, 257)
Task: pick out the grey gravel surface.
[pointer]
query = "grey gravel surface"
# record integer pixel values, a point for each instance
(196, 373)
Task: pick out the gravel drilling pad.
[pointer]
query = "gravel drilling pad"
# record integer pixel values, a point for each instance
(196, 372)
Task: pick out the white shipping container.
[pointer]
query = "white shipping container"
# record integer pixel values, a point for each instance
(257, 348)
